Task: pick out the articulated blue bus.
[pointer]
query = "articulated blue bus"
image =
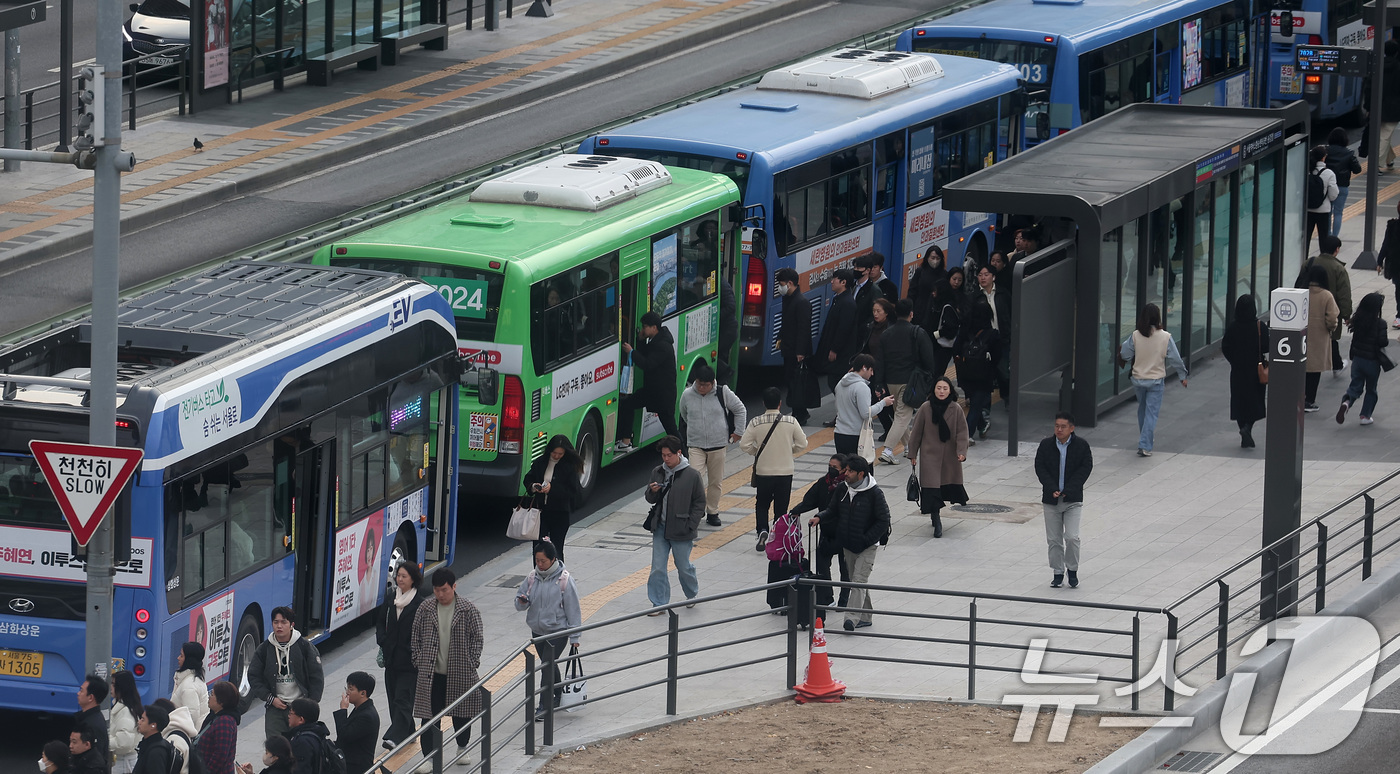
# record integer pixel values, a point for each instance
(297, 425)
(839, 156)
(1083, 59)
(1319, 23)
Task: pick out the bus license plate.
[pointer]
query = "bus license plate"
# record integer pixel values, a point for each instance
(20, 663)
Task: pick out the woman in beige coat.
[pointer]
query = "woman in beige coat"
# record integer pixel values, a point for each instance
(1323, 315)
(937, 449)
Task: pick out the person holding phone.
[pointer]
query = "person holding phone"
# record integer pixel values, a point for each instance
(277, 757)
(555, 486)
(550, 601)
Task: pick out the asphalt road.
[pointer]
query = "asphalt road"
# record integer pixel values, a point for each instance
(36, 292)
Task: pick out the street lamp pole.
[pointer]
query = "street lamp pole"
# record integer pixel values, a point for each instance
(1367, 258)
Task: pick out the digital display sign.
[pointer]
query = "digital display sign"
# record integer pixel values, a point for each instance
(1332, 60)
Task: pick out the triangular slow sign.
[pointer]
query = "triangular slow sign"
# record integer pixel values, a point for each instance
(85, 480)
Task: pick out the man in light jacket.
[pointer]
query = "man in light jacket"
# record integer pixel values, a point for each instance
(853, 405)
(677, 495)
(773, 439)
(705, 410)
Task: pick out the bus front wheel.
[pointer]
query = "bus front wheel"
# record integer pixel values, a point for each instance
(245, 644)
(590, 448)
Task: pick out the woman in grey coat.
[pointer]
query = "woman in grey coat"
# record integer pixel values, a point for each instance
(550, 601)
(937, 450)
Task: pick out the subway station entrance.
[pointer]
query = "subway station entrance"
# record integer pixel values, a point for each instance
(1186, 207)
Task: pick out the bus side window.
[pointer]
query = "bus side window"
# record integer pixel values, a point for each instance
(175, 495)
(253, 533)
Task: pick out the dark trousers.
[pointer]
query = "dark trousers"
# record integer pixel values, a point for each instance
(1003, 372)
(555, 526)
(800, 413)
(627, 413)
(772, 490)
(1310, 386)
(824, 593)
(398, 687)
(1336, 355)
(942, 356)
(1322, 221)
(846, 444)
(979, 403)
(886, 417)
(432, 733)
(550, 654)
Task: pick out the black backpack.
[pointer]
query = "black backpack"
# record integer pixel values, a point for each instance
(196, 760)
(1317, 190)
(332, 759)
(975, 350)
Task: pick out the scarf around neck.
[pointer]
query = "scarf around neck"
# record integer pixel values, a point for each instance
(402, 599)
(938, 408)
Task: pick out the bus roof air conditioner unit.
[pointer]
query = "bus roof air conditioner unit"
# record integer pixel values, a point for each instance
(575, 182)
(855, 73)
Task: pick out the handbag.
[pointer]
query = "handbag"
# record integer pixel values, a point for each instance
(379, 658)
(524, 521)
(574, 693)
(649, 524)
(627, 379)
(1263, 365)
(1384, 360)
(866, 448)
(920, 383)
(753, 470)
(805, 392)
(911, 489)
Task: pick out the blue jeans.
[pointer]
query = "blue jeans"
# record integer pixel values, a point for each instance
(1339, 204)
(1149, 396)
(658, 585)
(1364, 374)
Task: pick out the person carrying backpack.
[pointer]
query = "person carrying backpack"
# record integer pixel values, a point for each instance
(155, 755)
(977, 367)
(1322, 190)
(312, 749)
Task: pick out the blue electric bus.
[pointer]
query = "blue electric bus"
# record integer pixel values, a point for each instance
(1319, 23)
(838, 156)
(1083, 59)
(297, 425)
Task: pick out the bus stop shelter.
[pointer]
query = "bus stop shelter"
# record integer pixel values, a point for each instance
(1183, 206)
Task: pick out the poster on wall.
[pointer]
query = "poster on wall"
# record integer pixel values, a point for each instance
(359, 569)
(1191, 54)
(211, 625)
(664, 280)
(215, 43)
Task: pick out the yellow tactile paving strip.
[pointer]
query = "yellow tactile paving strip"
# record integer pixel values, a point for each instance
(270, 131)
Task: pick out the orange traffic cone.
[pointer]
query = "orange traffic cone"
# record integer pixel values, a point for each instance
(819, 685)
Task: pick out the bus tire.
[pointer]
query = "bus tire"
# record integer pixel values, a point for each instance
(590, 447)
(405, 551)
(244, 645)
(976, 254)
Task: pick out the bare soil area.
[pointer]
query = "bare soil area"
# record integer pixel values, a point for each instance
(850, 736)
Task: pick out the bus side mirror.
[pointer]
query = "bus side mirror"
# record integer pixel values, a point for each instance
(1285, 24)
(487, 384)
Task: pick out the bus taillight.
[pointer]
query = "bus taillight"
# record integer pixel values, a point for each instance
(139, 670)
(512, 416)
(143, 615)
(754, 283)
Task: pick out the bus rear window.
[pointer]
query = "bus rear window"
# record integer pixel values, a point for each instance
(473, 294)
(1035, 61)
(25, 498)
(734, 170)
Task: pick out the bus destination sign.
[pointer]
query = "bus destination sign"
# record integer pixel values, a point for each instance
(1332, 60)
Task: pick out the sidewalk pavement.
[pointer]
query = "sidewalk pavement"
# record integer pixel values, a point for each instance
(1154, 529)
(46, 209)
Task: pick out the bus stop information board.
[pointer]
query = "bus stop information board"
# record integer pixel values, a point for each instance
(1332, 60)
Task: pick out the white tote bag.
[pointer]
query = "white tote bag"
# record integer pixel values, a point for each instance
(866, 448)
(574, 693)
(524, 522)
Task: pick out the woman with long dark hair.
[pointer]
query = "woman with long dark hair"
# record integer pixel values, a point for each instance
(937, 450)
(122, 737)
(393, 632)
(949, 312)
(190, 690)
(554, 483)
(1153, 354)
(923, 285)
(977, 370)
(1368, 338)
(1245, 346)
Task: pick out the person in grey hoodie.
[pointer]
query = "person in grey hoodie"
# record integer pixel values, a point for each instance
(705, 410)
(677, 496)
(853, 405)
(550, 601)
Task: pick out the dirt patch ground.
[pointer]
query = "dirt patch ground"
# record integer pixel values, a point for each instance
(851, 736)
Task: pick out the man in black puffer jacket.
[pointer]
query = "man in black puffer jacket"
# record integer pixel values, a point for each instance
(1388, 259)
(862, 520)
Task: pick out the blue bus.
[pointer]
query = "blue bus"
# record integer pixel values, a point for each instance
(1319, 23)
(837, 156)
(1083, 59)
(297, 427)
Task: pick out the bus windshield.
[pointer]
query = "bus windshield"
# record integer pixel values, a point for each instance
(734, 170)
(1035, 61)
(474, 294)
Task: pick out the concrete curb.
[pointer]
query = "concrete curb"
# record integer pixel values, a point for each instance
(1147, 751)
(301, 165)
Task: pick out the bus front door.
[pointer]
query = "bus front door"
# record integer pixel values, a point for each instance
(314, 520)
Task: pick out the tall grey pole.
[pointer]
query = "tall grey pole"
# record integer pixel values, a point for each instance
(12, 124)
(1367, 259)
(65, 75)
(106, 237)
(1283, 447)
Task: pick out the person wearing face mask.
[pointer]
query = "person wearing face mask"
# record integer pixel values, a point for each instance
(55, 758)
(550, 601)
(276, 757)
(817, 498)
(922, 286)
(937, 450)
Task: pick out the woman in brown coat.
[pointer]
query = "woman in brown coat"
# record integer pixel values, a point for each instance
(937, 449)
(1323, 317)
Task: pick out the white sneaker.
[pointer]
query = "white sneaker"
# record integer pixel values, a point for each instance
(1367, 421)
(623, 447)
(1397, 323)
(886, 457)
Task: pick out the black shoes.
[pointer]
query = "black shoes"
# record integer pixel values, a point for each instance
(863, 624)
(713, 520)
(937, 526)
(1057, 581)
(1073, 579)
(849, 626)
(1246, 439)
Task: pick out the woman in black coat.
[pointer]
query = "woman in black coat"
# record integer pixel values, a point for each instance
(1246, 343)
(922, 285)
(555, 486)
(948, 311)
(393, 631)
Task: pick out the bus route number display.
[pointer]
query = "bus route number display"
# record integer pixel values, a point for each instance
(466, 297)
(1332, 60)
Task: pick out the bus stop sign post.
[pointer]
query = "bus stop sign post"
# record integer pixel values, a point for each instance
(1283, 447)
(85, 480)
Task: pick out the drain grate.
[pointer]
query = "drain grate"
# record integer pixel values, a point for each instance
(507, 581)
(982, 508)
(1008, 513)
(1192, 760)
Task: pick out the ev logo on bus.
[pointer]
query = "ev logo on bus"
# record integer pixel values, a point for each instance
(398, 316)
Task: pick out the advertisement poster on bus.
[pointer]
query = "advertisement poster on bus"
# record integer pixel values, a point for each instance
(215, 43)
(583, 381)
(1357, 34)
(664, 280)
(359, 572)
(211, 625)
(924, 225)
(46, 554)
(1191, 53)
(921, 180)
(816, 264)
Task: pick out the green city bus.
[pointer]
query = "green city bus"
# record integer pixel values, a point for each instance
(547, 269)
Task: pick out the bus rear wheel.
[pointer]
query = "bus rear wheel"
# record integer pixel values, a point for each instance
(244, 645)
(590, 448)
